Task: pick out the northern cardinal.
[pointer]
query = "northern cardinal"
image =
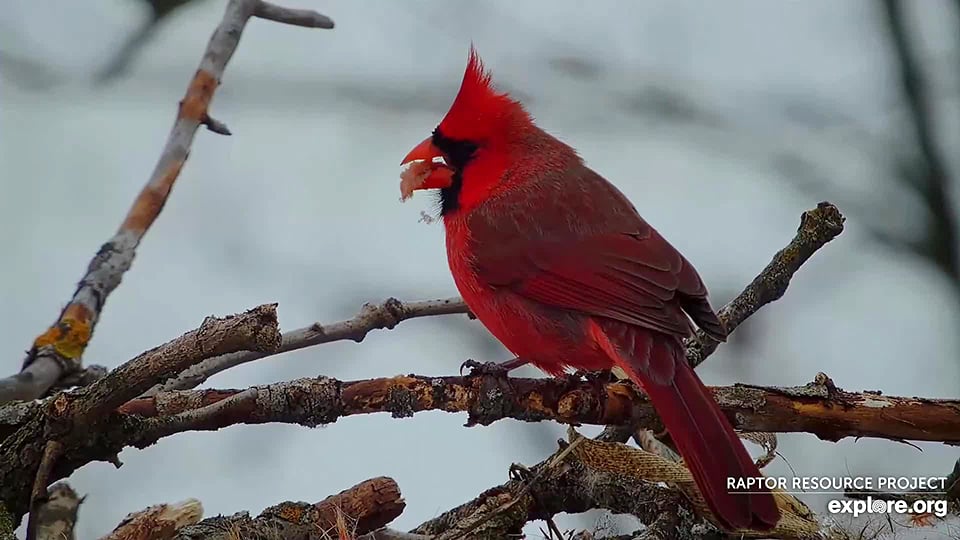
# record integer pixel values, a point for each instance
(559, 266)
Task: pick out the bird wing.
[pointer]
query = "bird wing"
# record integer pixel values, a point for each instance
(590, 253)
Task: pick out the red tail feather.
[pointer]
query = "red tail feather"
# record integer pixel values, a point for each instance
(703, 435)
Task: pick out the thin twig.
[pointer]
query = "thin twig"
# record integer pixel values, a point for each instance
(372, 317)
(297, 17)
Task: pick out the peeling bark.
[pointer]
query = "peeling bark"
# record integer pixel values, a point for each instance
(364, 508)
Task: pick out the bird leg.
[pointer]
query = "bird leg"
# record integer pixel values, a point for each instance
(496, 369)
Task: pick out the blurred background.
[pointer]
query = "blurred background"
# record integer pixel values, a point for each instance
(721, 121)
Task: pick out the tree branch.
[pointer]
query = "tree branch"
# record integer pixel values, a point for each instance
(57, 516)
(818, 407)
(58, 351)
(366, 507)
(254, 330)
(372, 317)
(51, 453)
(69, 421)
(296, 17)
(160, 522)
(612, 476)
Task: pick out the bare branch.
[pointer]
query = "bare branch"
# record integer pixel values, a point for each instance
(63, 423)
(160, 522)
(58, 350)
(297, 17)
(613, 476)
(818, 407)
(817, 227)
(365, 507)
(255, 330)
(372, 317)
(215, 125)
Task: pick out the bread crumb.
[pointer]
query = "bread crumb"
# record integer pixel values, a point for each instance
(413, 177)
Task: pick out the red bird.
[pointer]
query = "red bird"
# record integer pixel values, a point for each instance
(560, 267)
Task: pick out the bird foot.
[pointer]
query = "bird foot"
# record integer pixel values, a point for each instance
(495, 369)
(483, 368)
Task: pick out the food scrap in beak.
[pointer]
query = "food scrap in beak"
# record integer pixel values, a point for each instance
(424, 172)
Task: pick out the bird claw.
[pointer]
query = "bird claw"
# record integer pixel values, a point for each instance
(484, 368)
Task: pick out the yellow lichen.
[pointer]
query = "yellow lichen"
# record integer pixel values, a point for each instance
(290, 512)
(70, 335)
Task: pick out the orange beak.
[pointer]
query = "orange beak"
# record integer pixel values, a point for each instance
(425, 151)
(424, 173)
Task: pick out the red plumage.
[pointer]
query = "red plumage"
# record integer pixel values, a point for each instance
(560, 267)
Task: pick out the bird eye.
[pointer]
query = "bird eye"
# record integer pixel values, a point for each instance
(456, 152)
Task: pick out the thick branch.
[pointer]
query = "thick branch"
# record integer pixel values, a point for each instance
(818, 407)
(72, 420)
(372, 317)
(51, 453)
(254, 330)
(57, 516)
(366, 507)
(58, 351)
(612, 476)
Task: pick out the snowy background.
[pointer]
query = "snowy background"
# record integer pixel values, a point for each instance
(721, 121)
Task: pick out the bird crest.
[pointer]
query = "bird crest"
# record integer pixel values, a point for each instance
(478, 106)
